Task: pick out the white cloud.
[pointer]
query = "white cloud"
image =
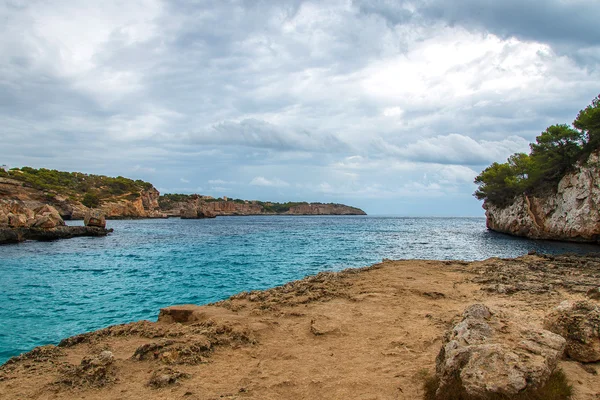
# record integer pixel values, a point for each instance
(262, 181)
(183, 180)
(375, 99)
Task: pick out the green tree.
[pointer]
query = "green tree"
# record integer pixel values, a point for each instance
(588, 121)
(90, 200)
(497, 183)
(554, 153)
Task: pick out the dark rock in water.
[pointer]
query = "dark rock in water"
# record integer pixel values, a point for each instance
(8, 235)
(95, 218)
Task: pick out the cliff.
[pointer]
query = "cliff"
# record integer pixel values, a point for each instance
(73, 194)
(197, 206)
(569, 213)
(142, 204)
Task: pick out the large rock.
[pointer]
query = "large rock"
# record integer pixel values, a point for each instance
(46, 217)
(579, 323)
(194, 213)
(570, 213)
(95, 218)
(489, 355)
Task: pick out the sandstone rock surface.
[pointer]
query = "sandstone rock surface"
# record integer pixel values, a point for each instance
(95, 218)
(491, 355)
(570, 214)
(579, 323)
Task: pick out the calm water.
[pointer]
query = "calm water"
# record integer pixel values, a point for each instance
(49, 291)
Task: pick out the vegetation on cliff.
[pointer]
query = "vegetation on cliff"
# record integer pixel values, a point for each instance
(169, 200)
(555, 153)
(88, 188)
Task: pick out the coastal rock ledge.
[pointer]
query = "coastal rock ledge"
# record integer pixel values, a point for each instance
(571, 213)
(19, 222)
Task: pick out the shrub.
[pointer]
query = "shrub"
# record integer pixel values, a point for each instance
(90, 200)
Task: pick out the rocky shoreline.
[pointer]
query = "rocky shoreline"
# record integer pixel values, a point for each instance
(374, 332)
(17, 235)
(570, 213)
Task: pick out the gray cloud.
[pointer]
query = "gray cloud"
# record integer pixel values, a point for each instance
(337, 99)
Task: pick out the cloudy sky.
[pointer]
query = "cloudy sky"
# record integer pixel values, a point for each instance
(392, 106)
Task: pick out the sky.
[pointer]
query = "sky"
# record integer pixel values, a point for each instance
(391, 106)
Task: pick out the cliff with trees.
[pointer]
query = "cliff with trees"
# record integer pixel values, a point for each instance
(73, 194)
(554, 191)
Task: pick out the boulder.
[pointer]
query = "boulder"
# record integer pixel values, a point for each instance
(489, 355)
(46, 217)
(17, 220)
(194, 213)
(95, 218)
(579, 323)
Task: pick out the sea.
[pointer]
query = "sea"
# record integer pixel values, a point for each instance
(53, 290)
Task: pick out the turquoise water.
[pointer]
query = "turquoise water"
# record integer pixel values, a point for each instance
(52, 290)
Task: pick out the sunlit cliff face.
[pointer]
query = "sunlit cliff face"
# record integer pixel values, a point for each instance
(390, 106)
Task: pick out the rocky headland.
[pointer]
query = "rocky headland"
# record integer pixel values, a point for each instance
(35, 203)
(413, 329)
(198, 206)
(552, 192)
(570, 212)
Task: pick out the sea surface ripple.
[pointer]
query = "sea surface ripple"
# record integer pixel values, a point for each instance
(52, 290)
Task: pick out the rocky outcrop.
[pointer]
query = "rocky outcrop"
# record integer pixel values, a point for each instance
(489, 355)
(579, 323)
(18, 223)
(324, 209)
(133, 205)
(196, 213)
(207, 208)
(571, 213)
(143, 205)
(95, 218)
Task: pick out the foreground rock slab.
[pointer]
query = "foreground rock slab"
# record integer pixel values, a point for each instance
(369, 333)
(579, 323)
(489, 355)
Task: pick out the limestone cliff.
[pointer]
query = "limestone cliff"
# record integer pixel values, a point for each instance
(197, 206)
(570, 213)
(131, 205)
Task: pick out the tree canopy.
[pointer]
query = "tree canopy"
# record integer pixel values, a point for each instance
(556, 152)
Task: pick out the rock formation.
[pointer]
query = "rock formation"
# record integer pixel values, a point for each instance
(18, 222)
(132, 205)
(95, 218)
(489, 355)
(197, 206)
(571, 213)
(195, 213)
(579, 323)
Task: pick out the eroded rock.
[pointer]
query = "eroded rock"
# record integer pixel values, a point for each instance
(94, 371)
(579, 323)
(95, 218)
(166, 376)
(490, 355)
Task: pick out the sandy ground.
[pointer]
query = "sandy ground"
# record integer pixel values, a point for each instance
(371, 333)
